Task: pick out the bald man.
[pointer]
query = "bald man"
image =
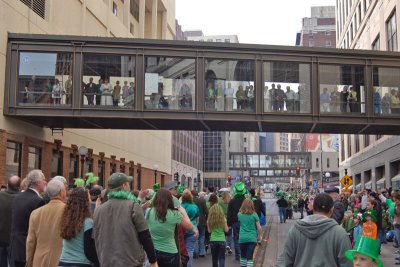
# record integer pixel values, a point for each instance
(6, 199)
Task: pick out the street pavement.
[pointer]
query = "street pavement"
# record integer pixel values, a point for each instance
(276, 241)
(271, 208)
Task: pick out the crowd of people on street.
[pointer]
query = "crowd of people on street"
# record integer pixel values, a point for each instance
(46, 222)
(342, 227)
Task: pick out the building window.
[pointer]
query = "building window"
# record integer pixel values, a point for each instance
(227, 40)
(375, 44)
(88, 165)
(327, 32)
(317, 162)
(115, 9)
(357, 143)
(122, 168)
(113, 168)
(37, 6)
(328, 164)
(391, 30)
(342, 155)
(131, 29)
(13, 159)
(328, 43)
(73, 168)
(348, 145)
(100, 173)
(245, 139)
(34, 158)
(134, 9)
(57, 163)
(366, 140)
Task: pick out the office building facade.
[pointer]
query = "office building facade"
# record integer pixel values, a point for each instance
(373, 161)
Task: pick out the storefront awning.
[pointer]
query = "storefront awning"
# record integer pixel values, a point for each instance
(381, 181)
(396, 178)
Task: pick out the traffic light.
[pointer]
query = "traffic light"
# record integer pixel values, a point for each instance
(229, 178)
(176, 176)
(298, 170)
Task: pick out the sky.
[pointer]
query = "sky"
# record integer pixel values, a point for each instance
(273, 22)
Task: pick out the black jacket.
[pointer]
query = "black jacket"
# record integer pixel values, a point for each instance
(203, 210)
(6, 199)
(233, 209)
(22, 207)
(258, 206)
(282, 203)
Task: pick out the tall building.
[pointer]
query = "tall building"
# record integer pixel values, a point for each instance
(197, 35)
(319, 30)
(372, 161)
(143, 154)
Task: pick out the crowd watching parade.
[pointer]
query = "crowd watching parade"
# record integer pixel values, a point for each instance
(44, 222)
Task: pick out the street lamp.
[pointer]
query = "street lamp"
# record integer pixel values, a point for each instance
(82, 152)
(155, 167)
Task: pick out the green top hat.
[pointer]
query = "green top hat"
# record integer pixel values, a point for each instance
(366, 246)
(280, 194)
(370, 213)
(240, 189)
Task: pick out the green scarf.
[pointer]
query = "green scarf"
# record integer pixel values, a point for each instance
(121, 194)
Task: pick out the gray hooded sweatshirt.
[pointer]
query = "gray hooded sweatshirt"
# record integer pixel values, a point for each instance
(316, 241)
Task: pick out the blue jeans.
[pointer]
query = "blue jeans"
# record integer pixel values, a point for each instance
(190, 242)
(247, 251)
(397, 234)
(236, 229)
(200, 248)
(282, 215)
(4, 256)
(229, 239)
(382, 236)
(218, 253)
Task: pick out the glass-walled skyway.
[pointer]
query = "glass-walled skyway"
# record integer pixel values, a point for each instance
(210, 86)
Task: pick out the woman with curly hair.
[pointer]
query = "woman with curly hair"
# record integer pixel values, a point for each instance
(76, 230)
(216, 225)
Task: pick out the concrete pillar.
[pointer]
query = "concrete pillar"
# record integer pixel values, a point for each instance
(154, 19)
(362, 180)
(83, 15)
(164, 27)
(373, 179)
(126, 16)
(142, 13)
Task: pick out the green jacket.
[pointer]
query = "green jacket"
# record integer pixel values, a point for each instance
(315, 241)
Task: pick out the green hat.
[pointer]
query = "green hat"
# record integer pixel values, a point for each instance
(240, 189)
(91, 178)
(117, 179)
(180, 190)
(79, 182)
(366, 246)
(370, 213)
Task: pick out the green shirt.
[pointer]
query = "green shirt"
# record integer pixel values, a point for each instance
(248, 227)
(218, 234)
(163, 233)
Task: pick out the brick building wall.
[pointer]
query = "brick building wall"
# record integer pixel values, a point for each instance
(47, 148)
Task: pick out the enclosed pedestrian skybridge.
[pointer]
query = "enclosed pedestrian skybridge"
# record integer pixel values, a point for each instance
(92, 82)
(270, 167)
